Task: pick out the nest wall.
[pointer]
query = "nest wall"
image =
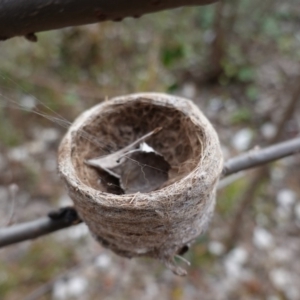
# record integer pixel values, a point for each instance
(160, 223)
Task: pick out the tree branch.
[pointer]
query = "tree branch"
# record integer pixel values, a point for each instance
(67, 216)
(56, 220)
(24, 18)
(255, 158)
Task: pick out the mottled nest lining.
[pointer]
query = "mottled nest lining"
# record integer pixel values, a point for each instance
(160, 223)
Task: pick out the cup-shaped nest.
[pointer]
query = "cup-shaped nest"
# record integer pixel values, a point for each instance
(184, 163)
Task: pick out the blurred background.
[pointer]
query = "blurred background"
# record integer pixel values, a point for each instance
(239, 60)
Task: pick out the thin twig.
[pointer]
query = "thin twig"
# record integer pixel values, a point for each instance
(255, 158)
(66, 217)
(63, 218)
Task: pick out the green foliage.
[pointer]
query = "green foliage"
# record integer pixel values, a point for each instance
(245, 74)
(271, 27)
(172, 54)
(236, 66)
(71, 98)
(172, 88)
(242, 115)
(252, 92)
(10, 135)
(206, 17)
(285, 43)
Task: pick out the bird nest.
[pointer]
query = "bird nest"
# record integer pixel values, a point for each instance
(142, 171)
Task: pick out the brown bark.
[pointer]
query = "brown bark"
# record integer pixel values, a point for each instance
(24, 18)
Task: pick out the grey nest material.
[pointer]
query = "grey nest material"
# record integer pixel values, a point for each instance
(160, 223)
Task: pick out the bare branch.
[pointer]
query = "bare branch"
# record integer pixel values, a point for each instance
(67, 216)
(255, 158)
(57, 220)
(24, 18)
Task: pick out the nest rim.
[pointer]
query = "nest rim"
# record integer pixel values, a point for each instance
(147, 200)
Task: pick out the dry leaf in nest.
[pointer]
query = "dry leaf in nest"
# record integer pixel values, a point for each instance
(137, 169)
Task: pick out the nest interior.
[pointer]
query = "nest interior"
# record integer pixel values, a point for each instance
(118, 125)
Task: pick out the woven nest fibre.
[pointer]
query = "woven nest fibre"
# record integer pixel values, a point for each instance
(160, 223)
